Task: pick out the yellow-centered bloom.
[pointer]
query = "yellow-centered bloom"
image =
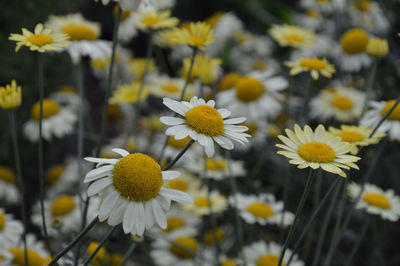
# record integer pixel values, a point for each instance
(293, 36)
(203, 68)
(155, 20)
(10, 96)
(314, 65)
(198, 35)
(377, 47)
(129, 94)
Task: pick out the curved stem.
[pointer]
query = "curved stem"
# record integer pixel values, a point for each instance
(172, 163)
(106, 237)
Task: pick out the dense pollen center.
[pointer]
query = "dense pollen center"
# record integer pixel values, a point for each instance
(216, 165)
(294, 38)
(201, 202)
(260, 210)
(40, 39)
(62, 205)
(395, 114)
(342, 102)
(50, 108)
(354, 41)
(313, 63)
(351, 136)
(137, 177)
(205, 120)
(249, 89)
(19, 258)
(7, 175)
(151, 20)
(54, 173)
(2, 221)
(269, 260)
(170, 87)
(196, 40)
(178, 184)
(377, 200)
(189, 243)
(79, 32)
(317, 152)
(174, 223)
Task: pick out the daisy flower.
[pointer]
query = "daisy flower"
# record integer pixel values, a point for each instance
(6, 257)
(10, 229)
(186, 182)
(378, 47)
(57, 121)
(129, 94)
(357, 136)
(132, 191)
(202, 122)
(310, 18)
(127, 25)
(342, 104)
(205, 68)
(258, 130)
(178, 219)
(67, 96)
(202, 204)
(256, 95)
(228, 81)
(198, 35)
(262, 209)
(41, 40)
(125, 4)
(375, 200)
(324, 6)
(369, 15)
(8, 185)
(261, 253)
(306, 148)
(165, 86)
(313, 65)
(10, 96)
(152, 19)
(137, 67)
(174, 146)
(291, 35)
(37, 254)
(377, 110)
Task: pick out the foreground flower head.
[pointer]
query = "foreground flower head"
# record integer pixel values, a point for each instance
(10, 96)
(314, 65)
(41, 40)
(293, 36)
(205, 124)
(152, 19)
(307, 148)
(132, 191)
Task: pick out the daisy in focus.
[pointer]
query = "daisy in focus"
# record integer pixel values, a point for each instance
(292, 36)
(313, 65)
(10, 229)
(315, 149)
(132, 191)
(10, 96)
(205, 124)
(41, 40)
(375, 200)
(8, 185)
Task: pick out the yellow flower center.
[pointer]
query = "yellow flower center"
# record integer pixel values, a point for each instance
(178, 184)
(196, 40)
(216, 165)
(362, 5)
(269, 260)
(7, 175)
(178, 143)
(209, 236)
(205, 120)
(354, 41)
(170, 87)
(395, 114)
(317, 152)
(229, 81)
(342, 102)
(151, 20)
(79, 32)
(252, 128)
(189, 243)
(40, 39)
(33, 257)
(137, 177)
(313, 63)
(228, 262)
(312, 13)
(50, 108)
(249, 89)
(100, 63)
(54, 173)
(258, 65)
(351, 136)
(294, 38)
(116, 259)
(201, 202)
(62, 205)
(377, 200)
(174, 223)
(2, 221)
(260, 209)
(100, 255)
(67, 89)
(114, 113)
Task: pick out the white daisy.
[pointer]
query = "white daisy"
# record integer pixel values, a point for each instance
(6, 256)
(132, 191)
(325, 6)
(8, 185)
(377, 110)
(375, 200)
(256, 95)
(368, 15)
(10, 229)
(165, 86)
(177, 219)
(262, 209)
(127, 26)
(258, 130)
(204, 123)
(125, 4)
(67, 97)
(57, 121)
(37, 254)
(204, 204)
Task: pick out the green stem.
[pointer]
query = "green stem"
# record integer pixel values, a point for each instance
(297, 215)
(286, 189)
(189, 74)
(128, 254)
(212, 218)
(369, 85)
(79, 78)
(385, 116)
(172, 163)
(17, 159)
(106, 237)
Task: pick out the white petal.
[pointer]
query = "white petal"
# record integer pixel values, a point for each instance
(224, 142)
(159, 214)
(148, 209)
(140, 219)
(169, 175)
(108, 205)
(97, 173)
(236, 120)
(175, 106)
(171, 121)
(224, 112)
(209, 149)
(121, 152)
(101, 160)
(117, 214)
(129, 218)
(211, 103)
(99, 185)
(176, 195)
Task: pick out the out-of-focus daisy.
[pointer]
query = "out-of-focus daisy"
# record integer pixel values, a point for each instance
(342, 104)
(258, 130)
(315, 149)
(325, 6)
(37, 254)
(6, 256)
(256, 95)
(132, 191)
(202, 122)
(165, 86)
(8, 185)
(376, 201)
(101, 255)
(127, 25)
(205, 68)
(292, 36)
(84, 35)
(262, 209)
(66, 96)
(57, 121)
(357, 135)
(152, 19)
(324, 46)
(186, 182)
(174, 146)
(41, 40)
(261, 253)
(313, 65)
(178, 219)
(351, 53)
(198, 35)
(228, 81)
(125, 4)
(377, 47)
(368, 15)
(202, 204)
(129, 94)
(10, 229)
(137, 67)
(10, 96)
(377, 110)
(251, 44)
(310, 18)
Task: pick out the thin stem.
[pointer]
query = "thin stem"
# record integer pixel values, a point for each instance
(172, 163)
(74, 241)
(106, 237)
(286, 189)
(128, 254)
(212, 218)
(369, 85)
(357, 244)
(385, 117)
(297, 215)
(17, 159)
(79, 78)
(189, 74)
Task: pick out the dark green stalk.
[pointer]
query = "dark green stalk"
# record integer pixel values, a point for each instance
(106, 237)
(79, 78)
(128, 254)
(172, 163)
(212, 218)
(286, 189)
(385, 117)
(370, 84)
(189, 74)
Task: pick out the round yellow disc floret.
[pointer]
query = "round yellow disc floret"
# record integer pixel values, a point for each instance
(50, 108)
(317, 152)
(268, 260)
(178, 184)
(215, 165)
(294, 38)
(2, 221)
(313, 63)
(19, 257)
(54, 173)
(201, 202)
(62, 205)
(205, 120)
(229, 81)
(189, 243)
(178, 143)
(170, 87)
(354, 41)
(174, 223)
(137, 177)
(79, 32)
(40, 39)
(351, 136)
(395, 114)
(249, 89)
(342, 103)
(7, 175)
(377, 200)
(260, 210)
